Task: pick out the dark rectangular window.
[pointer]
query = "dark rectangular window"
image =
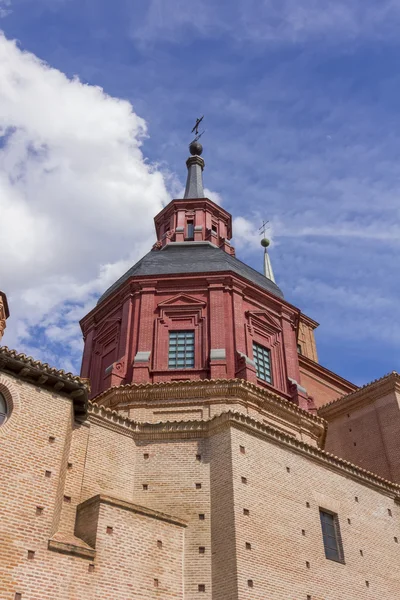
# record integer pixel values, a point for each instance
(262, 359)
(331, 536)
(181, 350)
(190, 230)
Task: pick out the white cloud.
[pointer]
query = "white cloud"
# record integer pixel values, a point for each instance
(214, 196)
(247, 235)
(76, 195)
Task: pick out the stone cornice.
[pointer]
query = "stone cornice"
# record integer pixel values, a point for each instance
(136, 508)
(41, 374)
(319, 371)
(362, 396)
(201, 429)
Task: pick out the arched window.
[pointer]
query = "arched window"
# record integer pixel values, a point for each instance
(3, 409)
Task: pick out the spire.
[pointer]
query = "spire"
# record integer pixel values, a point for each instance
(195, 165)
(268, 272)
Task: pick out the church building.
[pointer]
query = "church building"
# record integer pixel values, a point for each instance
(203, 453)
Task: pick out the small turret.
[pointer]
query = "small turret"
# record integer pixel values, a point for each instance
(4, 312)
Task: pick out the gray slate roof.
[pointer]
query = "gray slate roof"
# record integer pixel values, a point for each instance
(195, 257)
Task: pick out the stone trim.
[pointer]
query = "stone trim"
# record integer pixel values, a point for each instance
(142, 357)
(201, 429)
(79, 549)
(362, 396)
(136, 508)
(41, 374)
(217, 354)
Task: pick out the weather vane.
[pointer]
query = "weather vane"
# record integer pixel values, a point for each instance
(263, 229)
(195, 129)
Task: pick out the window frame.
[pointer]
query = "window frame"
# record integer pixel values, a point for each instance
(184, 334)
(3, 415)
(265, 352)
(337, 537)
(190, 229)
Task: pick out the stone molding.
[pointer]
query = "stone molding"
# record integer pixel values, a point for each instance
(201, 429)
(136, 508)
(74, 549)
(363, 396)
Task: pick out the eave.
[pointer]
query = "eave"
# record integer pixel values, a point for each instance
(42, 375)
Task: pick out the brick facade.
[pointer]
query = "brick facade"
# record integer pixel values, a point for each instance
(112, 508)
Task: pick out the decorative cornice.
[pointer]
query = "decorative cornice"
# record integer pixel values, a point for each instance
(201, 389)
(362, 396)
(201, 429)
(42, 375)
(308, 321)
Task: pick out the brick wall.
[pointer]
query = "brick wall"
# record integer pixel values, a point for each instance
(277, 500)
(205, 479)
(367, 433)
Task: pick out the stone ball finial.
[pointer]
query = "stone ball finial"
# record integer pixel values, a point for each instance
(265, 242)
(195, 148)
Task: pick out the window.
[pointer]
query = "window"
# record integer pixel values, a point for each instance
(262, 358)
(3, 409)
(190, 230)
(181, 350)
(331, 536)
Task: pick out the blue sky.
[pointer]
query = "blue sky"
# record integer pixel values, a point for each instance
(301, 102)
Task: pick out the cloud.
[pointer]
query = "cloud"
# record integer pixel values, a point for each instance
(5, 8)
(288, 21)
(77, 198)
